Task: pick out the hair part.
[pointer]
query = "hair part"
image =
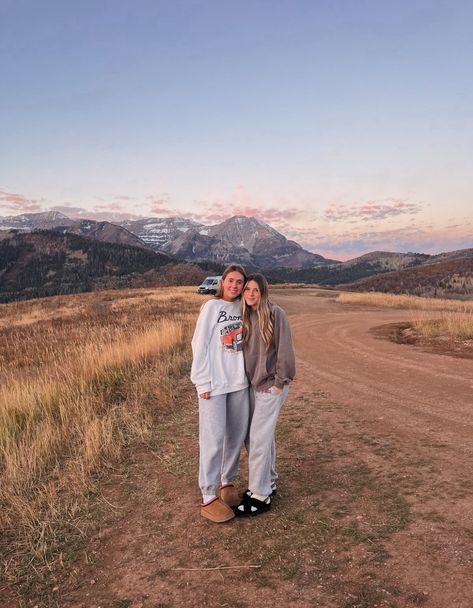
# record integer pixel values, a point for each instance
(263, 311)
(228, 270)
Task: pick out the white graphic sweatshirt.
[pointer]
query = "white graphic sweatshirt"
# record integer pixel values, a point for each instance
(218, 366)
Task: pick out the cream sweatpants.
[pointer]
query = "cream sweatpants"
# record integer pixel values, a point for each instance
(223, 425)
(260, 443)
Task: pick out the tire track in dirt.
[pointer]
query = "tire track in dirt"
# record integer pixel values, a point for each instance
(351, 357)
(389, 395)
(342, 336)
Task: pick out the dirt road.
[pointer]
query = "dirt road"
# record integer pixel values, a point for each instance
(375, 496)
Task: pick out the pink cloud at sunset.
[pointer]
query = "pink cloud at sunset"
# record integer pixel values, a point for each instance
(371, 210)
(352, 244)
(112, 207)
(162, 210)
(218, 207)
(218, 211)
(337, 232)
(17, 203)
(269, 215)
(222, 208)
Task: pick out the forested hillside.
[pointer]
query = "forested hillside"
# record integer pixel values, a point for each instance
(45, 263)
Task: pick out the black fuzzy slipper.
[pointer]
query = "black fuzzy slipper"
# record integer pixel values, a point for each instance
(250, 506)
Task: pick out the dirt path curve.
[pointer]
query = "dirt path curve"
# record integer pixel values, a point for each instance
(375, 497)
(412, 391)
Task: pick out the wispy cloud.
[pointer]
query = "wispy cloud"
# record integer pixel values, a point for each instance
(217, 213)
(218, 208)
(215, 209)
(119, 208)
(18, 203)
(371, 210)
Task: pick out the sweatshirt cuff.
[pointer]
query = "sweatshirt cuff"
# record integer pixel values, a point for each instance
(204, 388)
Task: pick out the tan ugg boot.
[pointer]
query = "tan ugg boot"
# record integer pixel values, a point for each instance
(217, 511)
(229, 495)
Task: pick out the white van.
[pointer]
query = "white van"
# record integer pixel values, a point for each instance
(209, 285)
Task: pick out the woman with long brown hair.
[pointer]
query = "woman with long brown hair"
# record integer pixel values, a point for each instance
(270, 368)
(218, 372)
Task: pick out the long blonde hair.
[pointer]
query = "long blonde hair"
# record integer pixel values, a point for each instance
(228, 269)
(263, 310)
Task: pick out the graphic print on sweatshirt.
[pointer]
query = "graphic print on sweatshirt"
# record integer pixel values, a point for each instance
(231, 337)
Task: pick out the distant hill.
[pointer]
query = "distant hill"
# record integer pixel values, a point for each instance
(45, 263)
(376, 262)
(448, 278)
(35, 221)
(459, 254)
(444, 275)
(386, 260)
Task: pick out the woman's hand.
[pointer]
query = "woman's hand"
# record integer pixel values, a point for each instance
(276, 390)
(205, 396)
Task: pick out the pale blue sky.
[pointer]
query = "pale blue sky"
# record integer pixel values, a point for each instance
(346, 125)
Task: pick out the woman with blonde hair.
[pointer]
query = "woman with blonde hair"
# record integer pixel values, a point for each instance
(218, 372)
(270, 367)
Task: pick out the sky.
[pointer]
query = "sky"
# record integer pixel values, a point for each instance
(345, 125)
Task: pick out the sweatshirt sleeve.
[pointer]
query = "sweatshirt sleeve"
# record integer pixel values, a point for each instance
(200, 371)
(285, 358)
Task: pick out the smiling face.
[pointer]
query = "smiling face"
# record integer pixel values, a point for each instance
(252, 294)
(232, 286)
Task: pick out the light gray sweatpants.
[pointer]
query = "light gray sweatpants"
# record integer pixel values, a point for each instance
(223, 425)
(260, 443)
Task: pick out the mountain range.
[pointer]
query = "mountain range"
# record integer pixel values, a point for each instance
(245, 240)
(146, 250)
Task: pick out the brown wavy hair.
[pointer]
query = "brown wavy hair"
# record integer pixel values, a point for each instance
(263, 311)
(228, 269)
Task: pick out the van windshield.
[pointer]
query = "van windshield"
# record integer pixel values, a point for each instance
(208, 281)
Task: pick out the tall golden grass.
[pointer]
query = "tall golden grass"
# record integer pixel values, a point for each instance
(293, 286)
(454, 318)
(450, 324)
(404, 301)
(81, 376)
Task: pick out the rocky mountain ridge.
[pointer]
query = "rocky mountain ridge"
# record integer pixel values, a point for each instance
(104, 231)
(159, 232)
(246, 240)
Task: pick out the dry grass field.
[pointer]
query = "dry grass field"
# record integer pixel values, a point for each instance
(454, 319)
(80, 377)
(404, 301)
